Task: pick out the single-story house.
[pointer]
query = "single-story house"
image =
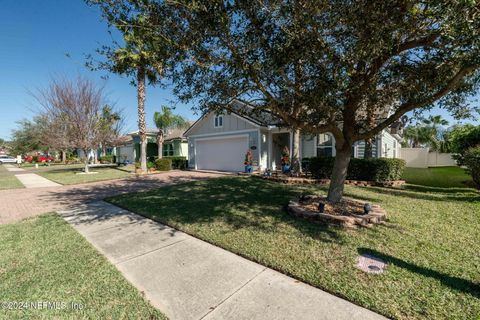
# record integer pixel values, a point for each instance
(220, 142)
(175, 144)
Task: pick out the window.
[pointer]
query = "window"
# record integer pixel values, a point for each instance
(325, 145)
(168, 150)
(218, 121)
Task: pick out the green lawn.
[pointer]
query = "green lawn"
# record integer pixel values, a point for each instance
(8, 180)
(44, 259)
(68, 174)
(443, 177)
(430, 240)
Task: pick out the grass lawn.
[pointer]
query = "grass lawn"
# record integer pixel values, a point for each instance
(430, 241)
(44, 259)
(8, 180)
(443, 177)
(68, 174)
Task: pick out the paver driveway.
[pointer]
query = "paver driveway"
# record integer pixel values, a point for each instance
(16, 204)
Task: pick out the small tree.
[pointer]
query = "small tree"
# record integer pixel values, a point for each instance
(111, 128)
(77, 104)
(165, 120)
(27, 137)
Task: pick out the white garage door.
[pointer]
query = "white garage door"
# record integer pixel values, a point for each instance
(225, 154)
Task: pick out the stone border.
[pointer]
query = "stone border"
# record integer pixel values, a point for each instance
(360, 183)
(376, 216)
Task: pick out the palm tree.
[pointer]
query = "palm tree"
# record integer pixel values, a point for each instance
(137, 59)
(165, 120)
(428, 132)
(434, 126)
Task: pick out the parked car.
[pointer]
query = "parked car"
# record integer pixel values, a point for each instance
(45, 158)
(39, 158)
(7, 159)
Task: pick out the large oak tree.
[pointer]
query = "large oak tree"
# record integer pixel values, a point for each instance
(351, 68)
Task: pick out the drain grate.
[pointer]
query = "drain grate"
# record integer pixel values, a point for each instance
(370, 264)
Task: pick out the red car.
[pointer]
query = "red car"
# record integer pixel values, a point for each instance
(40, 158)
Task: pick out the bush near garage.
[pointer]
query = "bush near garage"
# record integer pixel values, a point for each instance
(178, 162)
(163, 164)
(373, 169)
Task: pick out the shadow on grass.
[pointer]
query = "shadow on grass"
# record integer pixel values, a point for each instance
(429, 193)
(455, 283)
(238, 203)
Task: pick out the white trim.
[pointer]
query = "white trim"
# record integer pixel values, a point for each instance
(221, 133)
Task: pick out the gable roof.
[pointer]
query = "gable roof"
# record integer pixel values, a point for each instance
(261, 118)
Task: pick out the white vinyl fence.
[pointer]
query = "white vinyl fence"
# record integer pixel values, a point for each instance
(423, 158)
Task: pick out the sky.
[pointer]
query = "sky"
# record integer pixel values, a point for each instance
(35, 38)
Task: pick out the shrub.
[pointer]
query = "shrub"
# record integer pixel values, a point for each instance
(163, 164)
(34, 158)
(472, 162)
(373, 169)
(461, 138)
(151, 165)
(320, 167)
(106, 159)
(178, 162)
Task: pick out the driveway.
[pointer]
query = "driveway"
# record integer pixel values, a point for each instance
(17, 204)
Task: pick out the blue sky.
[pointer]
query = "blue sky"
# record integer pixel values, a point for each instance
(35, 37)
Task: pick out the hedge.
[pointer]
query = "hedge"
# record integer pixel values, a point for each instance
(107, 158)
(471, 158)
(163, 164)
(373, 169)
(178, 162)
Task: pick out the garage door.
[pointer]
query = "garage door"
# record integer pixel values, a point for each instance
(225, 154)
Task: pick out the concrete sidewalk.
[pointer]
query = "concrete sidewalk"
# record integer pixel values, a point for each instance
(13, 168)
(187, 278)
(32, 180)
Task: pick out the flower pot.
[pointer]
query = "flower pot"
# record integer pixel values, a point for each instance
(285, 168)
(248, 168)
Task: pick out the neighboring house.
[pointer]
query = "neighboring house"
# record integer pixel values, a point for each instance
(220, 141)
(175, 144)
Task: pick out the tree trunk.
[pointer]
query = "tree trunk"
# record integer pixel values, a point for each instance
(296, 165)
(142, 128)
(368, 148)
(64, 156)
(85, 152)
(339, 172)
(160, 143)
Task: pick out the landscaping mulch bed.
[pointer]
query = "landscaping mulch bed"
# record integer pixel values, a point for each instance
(346, 213)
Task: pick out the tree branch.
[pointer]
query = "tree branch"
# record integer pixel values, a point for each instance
(409, 106)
